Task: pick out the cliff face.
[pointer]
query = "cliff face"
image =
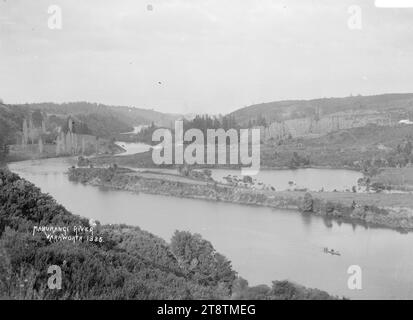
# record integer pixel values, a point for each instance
(332, 207)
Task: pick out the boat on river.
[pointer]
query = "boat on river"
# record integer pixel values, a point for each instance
(331, 251)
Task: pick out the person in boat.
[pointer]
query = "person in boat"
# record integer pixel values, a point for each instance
(332, 251)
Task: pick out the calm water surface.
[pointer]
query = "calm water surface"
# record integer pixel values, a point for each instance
(133, 148)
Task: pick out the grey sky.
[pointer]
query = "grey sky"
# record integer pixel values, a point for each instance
(209, 55)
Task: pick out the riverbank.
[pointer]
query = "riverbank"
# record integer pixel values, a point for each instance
(31, 152)
(393, 211)
(400, 179)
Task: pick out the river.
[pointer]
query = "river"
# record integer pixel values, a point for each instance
(133, 148)
(263, 244)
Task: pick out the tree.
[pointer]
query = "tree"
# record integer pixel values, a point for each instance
(238, 286)
(378, 187)
(37, 118)
(25, 131)
(408, 148)
(40, 145)
(4, 134)
(199, 260)
(247, 179)
(207, 173)
(308, 203)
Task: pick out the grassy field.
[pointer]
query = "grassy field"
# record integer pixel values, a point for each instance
(381, 200)
(396, 178)
(338, 149)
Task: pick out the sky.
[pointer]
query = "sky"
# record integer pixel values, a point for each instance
(202, 56)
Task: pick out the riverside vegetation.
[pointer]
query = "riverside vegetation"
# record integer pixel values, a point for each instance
(129, 264)
(369, 209)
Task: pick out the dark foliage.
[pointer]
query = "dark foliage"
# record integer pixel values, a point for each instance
(129, 264)
(280, 290)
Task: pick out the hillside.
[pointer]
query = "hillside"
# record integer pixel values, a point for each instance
(130, 116)
(12, 118)
(101, 120)
(23, 126)
(10, 123)
(399, 104)
(124, 263)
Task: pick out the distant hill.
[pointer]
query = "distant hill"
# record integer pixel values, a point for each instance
(131, 116)
(294, 109)
(100, 120)
(11, 120)
(13, 117)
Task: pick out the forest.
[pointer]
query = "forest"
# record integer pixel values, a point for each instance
(201, 122)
